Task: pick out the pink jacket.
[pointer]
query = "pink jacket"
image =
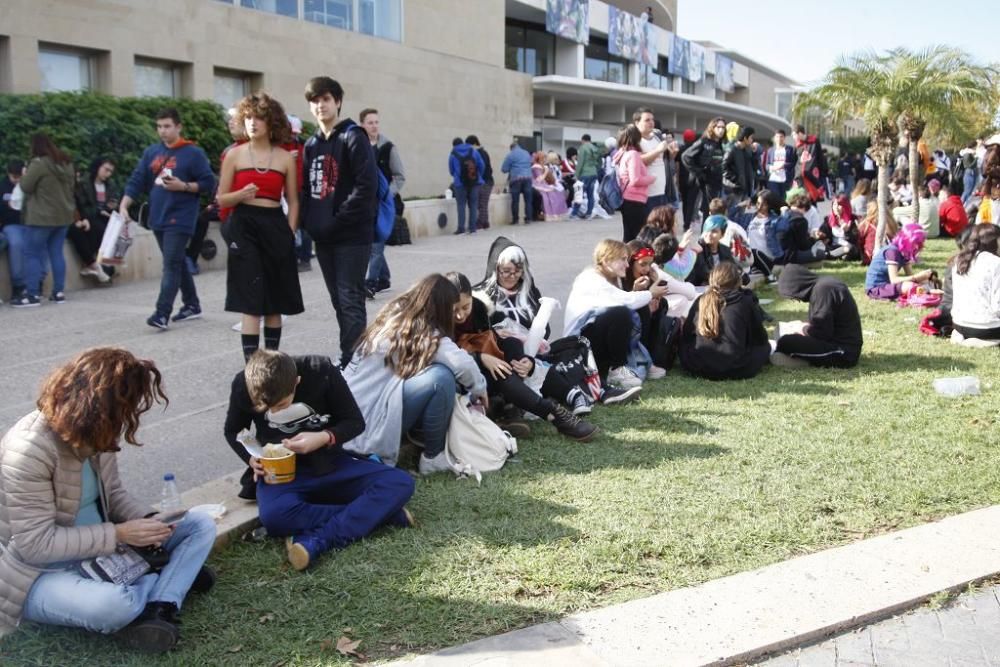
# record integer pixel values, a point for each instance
(633, 176)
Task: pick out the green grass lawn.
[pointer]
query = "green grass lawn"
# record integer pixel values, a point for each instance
(698, 480)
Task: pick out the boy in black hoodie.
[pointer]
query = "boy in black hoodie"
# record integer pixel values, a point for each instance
(833, 335)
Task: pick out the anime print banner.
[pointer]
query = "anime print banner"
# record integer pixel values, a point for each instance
(680, 56)
(569, 19)
(696, 64)
(724, 73)
(631, 37)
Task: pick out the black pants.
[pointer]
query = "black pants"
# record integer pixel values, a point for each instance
(689, 203)
(707, 192)
(344, 268)
(609, 338)
(982, 334)
(88, 243)
(200, 230)
(762, 263)
(817, 352)
(514, 391)
(633, 218)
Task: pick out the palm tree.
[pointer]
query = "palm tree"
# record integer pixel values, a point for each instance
(901, 91)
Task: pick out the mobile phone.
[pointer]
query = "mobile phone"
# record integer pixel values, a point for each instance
(173, 518)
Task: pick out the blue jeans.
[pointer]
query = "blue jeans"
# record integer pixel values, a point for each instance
(343, 268)
(468, 198)
(968, 181)
(16, 239)
(303, 245)
(45, 244)
(68, 598)
(175, 273)
(378, 269)
(339, 507)
(520, 187)
(428, 400)
(588, 191)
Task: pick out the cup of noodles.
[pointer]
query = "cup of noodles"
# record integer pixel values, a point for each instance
(279, 464)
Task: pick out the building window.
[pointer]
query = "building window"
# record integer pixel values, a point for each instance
(66, 69)
(281, 7)
(687, 87)
(529, 50)
(380, 18)
(600, 65)
(783, 104)
(656, 77)
(156, 78)
(230, 87)
(336, 13)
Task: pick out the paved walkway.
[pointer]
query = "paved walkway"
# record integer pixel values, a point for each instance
(964, 633)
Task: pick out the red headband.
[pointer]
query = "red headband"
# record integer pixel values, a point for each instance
(642, 253)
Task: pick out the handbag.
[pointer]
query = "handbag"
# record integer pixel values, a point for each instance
(116, 241)
(474, 443)
(400, 233)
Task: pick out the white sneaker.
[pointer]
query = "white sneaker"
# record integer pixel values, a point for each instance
(439, 463)
(782, 359)
(655, 373)
(623, 377)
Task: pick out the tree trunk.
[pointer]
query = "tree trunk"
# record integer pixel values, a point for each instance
(916, 170)
(883, 205)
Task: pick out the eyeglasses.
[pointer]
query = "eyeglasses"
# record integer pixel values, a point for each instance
(509, 273)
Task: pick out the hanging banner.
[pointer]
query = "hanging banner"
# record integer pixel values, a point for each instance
(680, 56)
(724, 73)
(696, 65)
(569, 19)
(631, 37)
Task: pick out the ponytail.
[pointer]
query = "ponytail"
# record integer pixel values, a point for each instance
(725, 276)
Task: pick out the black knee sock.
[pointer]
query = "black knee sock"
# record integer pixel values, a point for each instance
(250, 344)
(272, 336)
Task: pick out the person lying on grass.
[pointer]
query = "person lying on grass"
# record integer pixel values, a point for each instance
(336, 497)
(832, 336)
(891, 272)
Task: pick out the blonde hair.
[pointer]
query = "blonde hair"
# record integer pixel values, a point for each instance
(725, 276)
(608, 250)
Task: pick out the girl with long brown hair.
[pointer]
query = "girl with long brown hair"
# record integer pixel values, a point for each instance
(405, 371)
(975, 278)
(724, 337)
(262, 280)
(62, 502)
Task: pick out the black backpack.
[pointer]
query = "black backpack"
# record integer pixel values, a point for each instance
(468, 170)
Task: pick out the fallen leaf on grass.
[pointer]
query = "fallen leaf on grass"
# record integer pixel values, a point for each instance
(348, 631)
(234, 649)
(346, 646)
(327, 645)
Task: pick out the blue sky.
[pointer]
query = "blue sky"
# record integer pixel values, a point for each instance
(803, 39)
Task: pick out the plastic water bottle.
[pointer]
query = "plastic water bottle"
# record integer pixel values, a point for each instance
(170, 500)
(967, 385)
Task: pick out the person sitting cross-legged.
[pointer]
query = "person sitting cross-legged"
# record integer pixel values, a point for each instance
(335, 498)
(832, 336)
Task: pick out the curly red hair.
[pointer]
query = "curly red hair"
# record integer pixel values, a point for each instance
(263, 106)
(98, 397)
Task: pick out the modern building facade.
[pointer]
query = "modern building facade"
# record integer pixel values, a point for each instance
(435, 69)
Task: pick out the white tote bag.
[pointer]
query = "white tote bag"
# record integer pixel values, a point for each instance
(116, 241)
(475, 444)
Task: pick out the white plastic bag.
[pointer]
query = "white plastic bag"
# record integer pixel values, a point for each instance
(116, 241)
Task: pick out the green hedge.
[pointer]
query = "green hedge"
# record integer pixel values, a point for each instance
(87, 125)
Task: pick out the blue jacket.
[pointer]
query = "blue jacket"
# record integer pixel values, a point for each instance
(454, 166)
(743, 217)
(172, 211)
(517, 163)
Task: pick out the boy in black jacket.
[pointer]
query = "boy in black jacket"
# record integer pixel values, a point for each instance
(833, 335)
(335, 498)
(338, 200)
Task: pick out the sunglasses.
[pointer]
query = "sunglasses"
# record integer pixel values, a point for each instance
(296, 417)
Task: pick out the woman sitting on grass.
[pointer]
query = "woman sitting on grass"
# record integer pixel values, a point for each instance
(600, 310)
(505, 367)
(405, 372)
(891, 272)
(661, 221)
(724, 338)
(867, 230)
(975, 275)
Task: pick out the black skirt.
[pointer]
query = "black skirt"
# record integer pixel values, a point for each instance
(262, 271)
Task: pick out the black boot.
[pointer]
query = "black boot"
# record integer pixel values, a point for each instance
(569, 424)
(204, 581)
(154, 631)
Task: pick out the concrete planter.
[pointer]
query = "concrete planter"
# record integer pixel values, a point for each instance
(432, 217)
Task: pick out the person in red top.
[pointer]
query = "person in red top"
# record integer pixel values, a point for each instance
(952, 213)
(263, 278)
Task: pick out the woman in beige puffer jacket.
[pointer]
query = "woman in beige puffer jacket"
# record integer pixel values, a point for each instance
(62, 502)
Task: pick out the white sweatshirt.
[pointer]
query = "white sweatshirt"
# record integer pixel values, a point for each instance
(976, 300)
(592, 293)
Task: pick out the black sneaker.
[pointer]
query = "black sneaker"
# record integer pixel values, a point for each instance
(204, 581)
(187, 313)
(578, 402)
(154, 631)
(58, 297)
(158, 321)
(570, 425)
(369, 293)
(613, 395)
(25, 301)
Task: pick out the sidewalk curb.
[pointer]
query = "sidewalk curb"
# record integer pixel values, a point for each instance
(752, 615)
(241, 515)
